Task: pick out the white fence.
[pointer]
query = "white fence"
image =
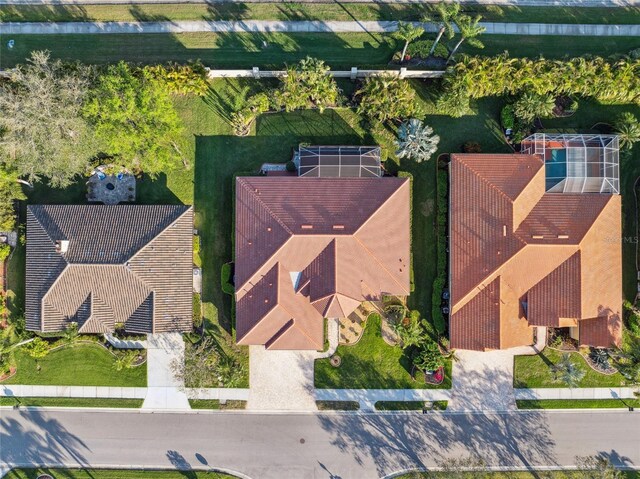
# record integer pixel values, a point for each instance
(352, 74)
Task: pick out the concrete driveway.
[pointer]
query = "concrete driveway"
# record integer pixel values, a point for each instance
(164, 390)
(283, 380)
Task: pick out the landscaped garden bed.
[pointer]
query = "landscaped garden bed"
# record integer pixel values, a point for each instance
(372, 364)
(537, 371)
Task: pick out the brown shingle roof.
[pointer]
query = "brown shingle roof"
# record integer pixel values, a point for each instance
(342, 240)
(547, 249)
(128, 264)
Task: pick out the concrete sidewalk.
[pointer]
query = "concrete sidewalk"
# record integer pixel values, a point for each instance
(367, 398)
(576, 393)
(248, 26)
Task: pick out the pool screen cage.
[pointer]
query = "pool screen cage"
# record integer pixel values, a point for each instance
(338, 161)
(577, 163)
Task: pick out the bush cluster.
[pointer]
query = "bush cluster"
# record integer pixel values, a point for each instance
(421, 49)
(226, 278)
(439, 283)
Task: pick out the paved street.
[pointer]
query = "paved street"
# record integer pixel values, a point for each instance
(301, 446)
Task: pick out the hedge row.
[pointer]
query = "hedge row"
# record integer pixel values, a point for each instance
(406, 174)
(226, 279)
(441, 272)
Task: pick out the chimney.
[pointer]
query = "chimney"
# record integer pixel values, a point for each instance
(62, 246)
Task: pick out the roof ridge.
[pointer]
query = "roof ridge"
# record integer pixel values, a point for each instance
(380, 263)
(160, 233)
(482, 178)
(262, 203)
(405, 182)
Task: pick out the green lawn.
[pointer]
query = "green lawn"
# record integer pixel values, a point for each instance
(519, 475)
(338, 405)
(215, 404)
(114, 474)
(71, 402)
(79, 365)
(536, 372)
(313, 11)
(371, 364)
(244, 50)
(577, 403)
(409, 405)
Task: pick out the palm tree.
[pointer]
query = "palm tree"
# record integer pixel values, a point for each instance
(627, 127)
(407, 32)
(531, 106)
(567, 372)
(416, 141)
(469, 29)
(446, 14)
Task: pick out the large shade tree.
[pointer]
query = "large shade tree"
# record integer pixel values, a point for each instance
(416, 141)
(44, 136)
(135, 121)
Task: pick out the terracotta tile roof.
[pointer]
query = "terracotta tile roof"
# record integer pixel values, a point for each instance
(603, 332)
(128, 264)
(557, 295)
(550, 250)
(331, 242)
(475, 325)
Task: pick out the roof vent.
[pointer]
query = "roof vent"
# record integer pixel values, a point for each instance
(537, 236)
(563, 236)
(307, 227)
(62, 246)
(266, 300)
(268, 228)
(338, 227)
(504, 230)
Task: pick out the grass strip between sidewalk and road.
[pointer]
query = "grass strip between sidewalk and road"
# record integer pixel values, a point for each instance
(114, 474)
(410, 405)
(216, 404)
(577, 403)
(71, 402)
(310, 11)
(338, 405)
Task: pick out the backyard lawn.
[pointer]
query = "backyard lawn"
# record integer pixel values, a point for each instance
(536, 372)
(371, 364)
(79, 365)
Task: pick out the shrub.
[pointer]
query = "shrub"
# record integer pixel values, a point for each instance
(530, 106)
(429, 358)
(421, 49)
(197, 310)
(455, 104)
(182, 79)
(600, 357)
(307, 85)
(226, 278)
(196, 251)
(507, 117)
(472, 147)
(5, 251)
(386, 97)
(38, 348)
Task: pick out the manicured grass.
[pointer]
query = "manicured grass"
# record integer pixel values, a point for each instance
(114, 474)
(577, 403)
(79, 365)
(71, 402)
(244, 50)
(338, 405)
(313, 11)
(215, 404)
(409, 405)
(536, 371)
(518, 475)
(371, 364)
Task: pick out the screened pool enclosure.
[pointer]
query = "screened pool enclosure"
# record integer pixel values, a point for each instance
(577, 163)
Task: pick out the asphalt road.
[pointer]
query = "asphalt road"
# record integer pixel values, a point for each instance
(301, 446)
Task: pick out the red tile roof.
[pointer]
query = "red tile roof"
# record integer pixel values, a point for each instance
(545, 248)
(604, 332)
(314, 248)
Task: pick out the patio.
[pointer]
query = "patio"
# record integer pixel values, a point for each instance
(111, 189)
